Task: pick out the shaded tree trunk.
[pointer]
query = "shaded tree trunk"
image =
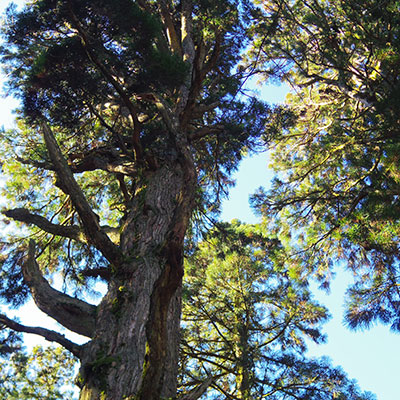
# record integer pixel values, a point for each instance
(135, 351)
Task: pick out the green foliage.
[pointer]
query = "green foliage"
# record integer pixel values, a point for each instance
(125, 102)
(43, 374)
(246, 323)
(336, 193)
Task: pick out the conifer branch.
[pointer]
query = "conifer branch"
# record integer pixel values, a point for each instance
(120, 90)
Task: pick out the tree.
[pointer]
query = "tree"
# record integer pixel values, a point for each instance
(44, 373)
(245, 323)
(132, 121)
(337, 185)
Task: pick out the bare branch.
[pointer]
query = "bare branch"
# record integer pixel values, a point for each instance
(197, 392)
(48, 334)
(74, 314)
(68, 184)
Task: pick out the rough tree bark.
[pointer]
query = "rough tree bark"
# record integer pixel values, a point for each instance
(135, 350)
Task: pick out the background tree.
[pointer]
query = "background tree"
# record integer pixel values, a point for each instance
(44, 373)
(337, 185)
(246, 323)
(131, 120)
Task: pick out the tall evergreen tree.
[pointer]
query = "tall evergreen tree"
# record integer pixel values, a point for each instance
(337, 188)
(245, 323)
(131, 121)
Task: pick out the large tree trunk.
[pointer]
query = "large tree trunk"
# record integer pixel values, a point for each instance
(134, 354)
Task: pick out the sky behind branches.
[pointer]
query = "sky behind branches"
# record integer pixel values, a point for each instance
(371, 357)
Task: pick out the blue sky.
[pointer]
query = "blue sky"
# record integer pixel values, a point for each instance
(371, 357)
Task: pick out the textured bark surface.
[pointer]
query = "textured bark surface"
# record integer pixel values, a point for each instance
(134, 353)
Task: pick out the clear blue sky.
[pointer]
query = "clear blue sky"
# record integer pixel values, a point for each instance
(371, 357)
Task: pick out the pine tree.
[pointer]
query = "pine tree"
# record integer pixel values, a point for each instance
(337, 187)
(246, 323)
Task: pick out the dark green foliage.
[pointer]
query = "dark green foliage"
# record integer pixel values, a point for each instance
(13, 289)
(55, 76)
(10, 342)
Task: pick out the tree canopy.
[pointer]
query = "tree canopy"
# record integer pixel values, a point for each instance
(337, 185)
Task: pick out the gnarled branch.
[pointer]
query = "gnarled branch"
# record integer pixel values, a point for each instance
(74, 314)
(89, 219)
(104, 158)
(48, 334)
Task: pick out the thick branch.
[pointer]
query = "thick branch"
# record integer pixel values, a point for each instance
(205, 131)
(74, 314)
(104, 158)
(162, 108)
(49, 335)
(23, 215)
(89, 219)
(188, 51)
(38, 164)
(101, 272)
(197, 392)
(199, 75)
(71, 232)
(187, 31)
(168, 22)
